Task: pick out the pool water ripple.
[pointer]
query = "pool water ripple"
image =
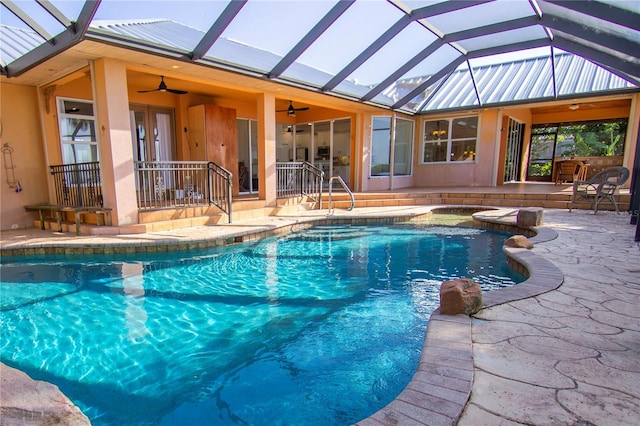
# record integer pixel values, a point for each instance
(323, 326)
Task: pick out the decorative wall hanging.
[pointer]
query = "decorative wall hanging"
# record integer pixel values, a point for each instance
(9, 168)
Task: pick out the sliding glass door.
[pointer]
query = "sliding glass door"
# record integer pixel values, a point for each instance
(247, 156)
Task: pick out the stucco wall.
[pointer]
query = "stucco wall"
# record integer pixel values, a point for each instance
(21, 130)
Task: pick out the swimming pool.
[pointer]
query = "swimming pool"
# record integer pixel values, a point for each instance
(322, 326)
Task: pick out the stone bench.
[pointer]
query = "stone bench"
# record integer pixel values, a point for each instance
(103, 214)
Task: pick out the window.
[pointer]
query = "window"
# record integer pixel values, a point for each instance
(450, 140)
(77, 131)
(595, 139)
(551, 142)
(402, 149)
(381, 147)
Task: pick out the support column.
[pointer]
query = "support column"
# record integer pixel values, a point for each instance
(114, 130)
(267, 148)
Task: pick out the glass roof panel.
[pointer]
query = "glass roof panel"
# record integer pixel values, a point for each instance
(274, 27)
(578, 75)
(352, 33)
(36, 13)
(404, 46)
(524, 78)
(418, 75)
(351, 88)
(163, 25)
(306, 75)
(415, 104)
(417, 4)
(70, 9)
(510, 57)
(480, 15)
(456, 92)
(502, 38)
(194, 13)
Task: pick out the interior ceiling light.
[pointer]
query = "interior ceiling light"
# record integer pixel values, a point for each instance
(574, 107)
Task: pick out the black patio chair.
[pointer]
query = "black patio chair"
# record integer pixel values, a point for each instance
(602, 186)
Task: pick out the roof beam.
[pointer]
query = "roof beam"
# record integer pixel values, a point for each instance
(216, 30)
(506, 48)
(612, 62)
(86, 16)
(338, 9)
(395, 76)
(63, 41)
(610, 41)
(598, 10)
(425, 102)
(368, 52)
(444, 7)
(451, 67)
(498, 27)
(31, 23)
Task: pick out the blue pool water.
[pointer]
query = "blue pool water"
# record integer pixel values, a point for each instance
(323, 326)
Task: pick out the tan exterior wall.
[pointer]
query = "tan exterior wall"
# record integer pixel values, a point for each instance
(21, 130)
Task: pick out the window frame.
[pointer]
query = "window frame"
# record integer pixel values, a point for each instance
(450, 141)
(392, 147)
(64, 115)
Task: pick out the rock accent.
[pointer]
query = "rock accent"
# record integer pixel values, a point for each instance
(461, 296)
(519, 241)
(24, 401)
(527, 218)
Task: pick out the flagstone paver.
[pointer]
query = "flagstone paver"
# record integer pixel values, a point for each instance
(577, 346)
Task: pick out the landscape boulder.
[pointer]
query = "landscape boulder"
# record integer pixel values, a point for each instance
(519, 241)
(528, 218)
(460, 296)
(32, 402)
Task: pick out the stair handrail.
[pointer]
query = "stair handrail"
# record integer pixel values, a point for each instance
(346, 188)
(220, 188)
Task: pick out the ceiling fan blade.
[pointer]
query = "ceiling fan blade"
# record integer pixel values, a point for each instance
(291, 110)
(177, 92)
(162, 87)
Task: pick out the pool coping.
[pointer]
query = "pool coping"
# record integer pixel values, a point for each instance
(441, 387)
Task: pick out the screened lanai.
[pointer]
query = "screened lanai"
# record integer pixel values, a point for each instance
(415, 57)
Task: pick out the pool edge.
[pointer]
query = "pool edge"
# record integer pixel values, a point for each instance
(441, 387)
